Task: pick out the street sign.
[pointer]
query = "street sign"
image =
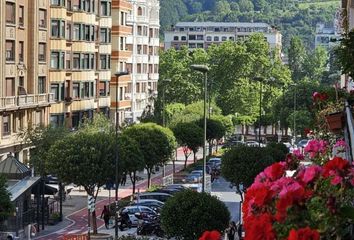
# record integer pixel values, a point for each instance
(91, 203)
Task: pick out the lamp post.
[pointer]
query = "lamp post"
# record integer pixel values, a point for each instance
(260, 80)
(165, 81)
(294, 114)
(203, 69)
(117, 74)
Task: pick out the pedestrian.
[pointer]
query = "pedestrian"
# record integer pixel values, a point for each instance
(239, 231)
(123, 180)
(106, 216)
(231, 230)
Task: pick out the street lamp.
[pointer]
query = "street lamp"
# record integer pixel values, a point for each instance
(203, 69)
(165, 81)
(260, 80)
(117, 74)
(294, 118)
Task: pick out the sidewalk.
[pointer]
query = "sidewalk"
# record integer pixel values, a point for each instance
(75, 209)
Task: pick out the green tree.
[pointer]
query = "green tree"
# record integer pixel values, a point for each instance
(6, 207)
(215, 130)
(188, 214)
(86, 159)
(246, 5)
(249, 161)
(315, 64)
(296, 55)
(155, 142)
(132, 157)
(303, 119)
(189, 135)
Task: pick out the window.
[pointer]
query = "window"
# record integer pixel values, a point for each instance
(10, 87)
(57, 60)
(92, 60)
(68, 60)
(105, 35)
(21, 82)
(86, 90)
(200, 37)
(140, 30)
(68, 31)
(6, 126)
(21, 13)
(76, 31)
(54, 89)
(216, 38)
(175, 38)
(105, 8)
(20, 51)
(41, 85)
(87, 32)
(86, 61)
(103, 88)
(231, 38)
(122, 18)
(140, 11)
(42, 18)
(56, 120)
(184, 38)
(76, 61)
(103, 60)
(223, 38)
(191, 37)
(58, 28)
(122, 43)
(10, 12)
(208, 38)
(76, 90)
(10, 50)
(42, 52)
(57, 2)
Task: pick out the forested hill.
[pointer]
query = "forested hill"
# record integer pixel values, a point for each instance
(292, 17)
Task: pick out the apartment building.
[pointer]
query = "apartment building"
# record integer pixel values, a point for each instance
(326, 36)
(80, 59)
(24, 60)
(121, 89)
(144, 61)
(204, 34)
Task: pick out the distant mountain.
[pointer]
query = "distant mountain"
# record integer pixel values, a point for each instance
(291, 17)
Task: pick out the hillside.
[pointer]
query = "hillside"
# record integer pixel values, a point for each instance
(291, 17)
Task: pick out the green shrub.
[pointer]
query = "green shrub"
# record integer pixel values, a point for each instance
(188, 214)
(277, 151)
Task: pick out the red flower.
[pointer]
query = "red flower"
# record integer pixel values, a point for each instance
(304, 234)
(259, 227)
(275, 171)
(337, 168)
(210, 235)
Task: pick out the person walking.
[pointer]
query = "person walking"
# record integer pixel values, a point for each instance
(106, 216)
(124, 179)
(231, 230)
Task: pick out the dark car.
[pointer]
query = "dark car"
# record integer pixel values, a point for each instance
(200, 167)
(167, 190)
(151, 203)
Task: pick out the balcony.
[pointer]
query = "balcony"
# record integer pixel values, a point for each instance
(140, 96)
(127, 96)
(26, 101)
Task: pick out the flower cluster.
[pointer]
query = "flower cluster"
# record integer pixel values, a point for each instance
(317, 150)
(305, 205)
(210, 235)
(319, 97)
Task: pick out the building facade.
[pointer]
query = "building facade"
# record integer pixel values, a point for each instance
(204, 34)
(121, 89)
(80, 59)
(144, 61)
(326, 37)
(24, 78)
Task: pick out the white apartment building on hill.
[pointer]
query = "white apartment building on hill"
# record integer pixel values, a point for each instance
(204, 34)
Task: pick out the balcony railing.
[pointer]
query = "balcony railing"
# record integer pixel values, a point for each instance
(29, 100)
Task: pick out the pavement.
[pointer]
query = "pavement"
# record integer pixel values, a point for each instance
(75, 206)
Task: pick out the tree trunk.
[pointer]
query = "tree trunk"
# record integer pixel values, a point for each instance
(194, 156)
(133, 179)
(94, 222)
(173, 166)
(149, 177)
(185, 161)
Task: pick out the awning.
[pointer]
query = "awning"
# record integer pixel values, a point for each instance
(22, 186)
(48, 190)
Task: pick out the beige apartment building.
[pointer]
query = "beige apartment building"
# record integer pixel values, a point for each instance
(80, 59)
(24, 60)
(120, 56)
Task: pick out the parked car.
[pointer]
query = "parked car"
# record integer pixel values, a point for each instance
(200, 167)
(303, 143)
(194, 177)
(154, 204)
(254, 144)
(167, 190)
(137, 209)
(214, 162)
(155, 195)
(177, 186)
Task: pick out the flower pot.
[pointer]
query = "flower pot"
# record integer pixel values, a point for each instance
(335, 121)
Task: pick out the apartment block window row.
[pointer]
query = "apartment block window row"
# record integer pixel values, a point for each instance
(83, 32)
(57, 120)
(21, 16)
(123, 18)
(42, 23)
(76, 5)
(142, 30)
(82, 90)
(105, 61)
(84, 61)
(42, 52)
(21, 47)
(57, 89)
(105, 35)
(10, 13)
(58, 28)
(42, 85)
(10, 50)
(142, 49)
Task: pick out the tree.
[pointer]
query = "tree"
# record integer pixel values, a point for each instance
(188, 214)
(6, 207)
(189, 135)
(155, 142)
(249, 161)
(296, 55)
(131, 156)
(87, 159)
(315, 64)
(215, 130)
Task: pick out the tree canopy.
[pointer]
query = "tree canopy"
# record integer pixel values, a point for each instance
(188, 214)
(6, 207)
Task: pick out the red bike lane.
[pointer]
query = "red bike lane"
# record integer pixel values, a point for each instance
(79, 218)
